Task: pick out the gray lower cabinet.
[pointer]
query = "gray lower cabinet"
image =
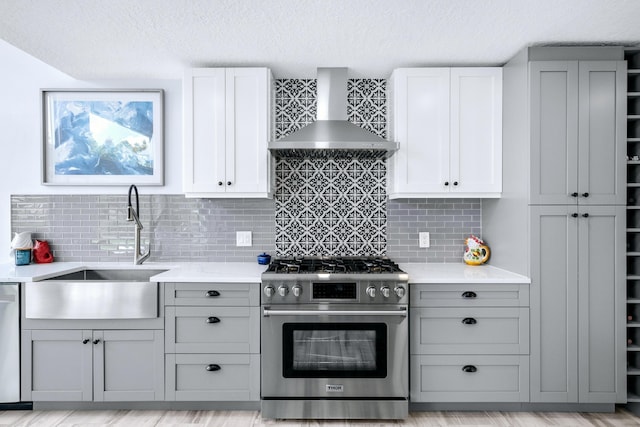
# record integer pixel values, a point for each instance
(578, 291)
(469, 378)
(92, 365)
(223, 377)
(466, 330)
(212, 329)
(469, 343)
(212, 341)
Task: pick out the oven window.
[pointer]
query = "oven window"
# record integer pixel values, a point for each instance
(335, 350)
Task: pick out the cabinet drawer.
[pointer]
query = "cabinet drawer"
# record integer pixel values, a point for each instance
(483, 330)
(212, 294)
(212, 329)
(470, 295)
(197, 377)
(489, 378)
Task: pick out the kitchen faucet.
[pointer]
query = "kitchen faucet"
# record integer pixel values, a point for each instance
(132, 215)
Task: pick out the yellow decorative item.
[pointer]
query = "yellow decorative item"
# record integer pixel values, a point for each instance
(475, 252)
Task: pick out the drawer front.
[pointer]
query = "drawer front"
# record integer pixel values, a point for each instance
(483, 330)
(212, 329)
(212, 294)
(469, 295)
(473, 378)
(211, 377)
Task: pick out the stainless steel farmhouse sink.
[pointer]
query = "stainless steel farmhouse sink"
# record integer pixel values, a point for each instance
(94, 294)
(112, 275)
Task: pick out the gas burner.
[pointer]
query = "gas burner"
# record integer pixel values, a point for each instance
(288, 266)
(334, 266)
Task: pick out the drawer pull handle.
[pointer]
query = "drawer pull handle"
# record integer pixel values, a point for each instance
(212, 294)
(213, 319)
(469, 368)
(86, 340)
(469, 294)
(469, 321)
(96, 341)
(213, 368)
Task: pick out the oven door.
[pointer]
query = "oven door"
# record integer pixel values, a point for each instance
(336, 351)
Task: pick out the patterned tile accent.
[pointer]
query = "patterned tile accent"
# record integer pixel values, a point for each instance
(367, 104)
(330, 207)
(335, 206)
(295, 105)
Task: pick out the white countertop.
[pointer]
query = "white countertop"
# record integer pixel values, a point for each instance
(176, 272)
(213, 272)
(459, 273)
(243, 272)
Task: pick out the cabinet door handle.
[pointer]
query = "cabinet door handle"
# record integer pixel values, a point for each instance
(96, 341)
(585, 215)
(574, 215)
(469, 294)
(212, 294)
(212, 368)
(86, 340)
(446, 183)
(228, 182)
(219, 182)
(469, 321)
(585, 194)
(574, 194)
(469, 368)
(455, 183)
(213, 319)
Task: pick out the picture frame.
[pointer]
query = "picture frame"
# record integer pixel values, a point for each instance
(102, 137)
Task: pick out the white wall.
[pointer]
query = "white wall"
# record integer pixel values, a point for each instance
(21, 78)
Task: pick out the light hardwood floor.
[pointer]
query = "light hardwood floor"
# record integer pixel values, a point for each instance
(139, 418)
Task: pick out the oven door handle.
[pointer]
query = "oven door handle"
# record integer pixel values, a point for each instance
(268, 312)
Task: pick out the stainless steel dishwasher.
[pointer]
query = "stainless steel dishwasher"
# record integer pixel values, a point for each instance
(9, 344)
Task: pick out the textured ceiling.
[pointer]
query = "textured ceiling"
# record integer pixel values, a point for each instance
(102, 39)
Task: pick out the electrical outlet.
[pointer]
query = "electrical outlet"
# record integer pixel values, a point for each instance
(243, 238)
(423, 239)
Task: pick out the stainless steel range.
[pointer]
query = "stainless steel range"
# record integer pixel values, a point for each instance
(334, 339)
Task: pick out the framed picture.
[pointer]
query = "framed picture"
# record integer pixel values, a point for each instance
(102, 137)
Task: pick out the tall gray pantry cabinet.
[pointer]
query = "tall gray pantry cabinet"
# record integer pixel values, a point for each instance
(563, 208)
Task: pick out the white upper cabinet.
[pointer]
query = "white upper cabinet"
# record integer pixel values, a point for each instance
(227, 128)
(448, 122)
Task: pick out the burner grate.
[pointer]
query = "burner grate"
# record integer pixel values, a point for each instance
(333, 265)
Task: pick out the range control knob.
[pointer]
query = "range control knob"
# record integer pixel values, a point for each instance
(283, 290)
(371, 291)
(269, 291)
(384, 290)
(297, 290)
(400, 291)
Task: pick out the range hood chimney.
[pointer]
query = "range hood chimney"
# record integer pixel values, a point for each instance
(331, 135)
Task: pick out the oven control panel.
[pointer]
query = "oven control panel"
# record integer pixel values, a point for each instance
(300, 292)
(334, 291)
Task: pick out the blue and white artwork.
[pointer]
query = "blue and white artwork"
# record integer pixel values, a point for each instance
(102, 139)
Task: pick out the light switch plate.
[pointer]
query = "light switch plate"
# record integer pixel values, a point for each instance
(243, 238)
(423, 239)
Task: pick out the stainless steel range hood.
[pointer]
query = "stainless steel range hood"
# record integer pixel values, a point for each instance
(331, 135)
